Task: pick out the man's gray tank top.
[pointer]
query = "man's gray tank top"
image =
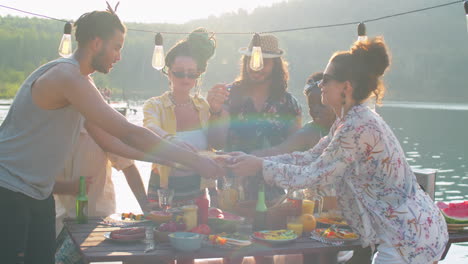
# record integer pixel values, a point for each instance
(35, 143)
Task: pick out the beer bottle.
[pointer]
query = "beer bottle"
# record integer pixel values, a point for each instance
(260, 210)
(82, 203)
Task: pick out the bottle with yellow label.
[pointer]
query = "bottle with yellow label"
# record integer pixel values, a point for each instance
(190, 216)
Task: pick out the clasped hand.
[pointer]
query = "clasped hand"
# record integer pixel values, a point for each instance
(240, 164)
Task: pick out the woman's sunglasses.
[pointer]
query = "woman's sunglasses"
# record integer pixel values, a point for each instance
(327, 78)
(181, 75)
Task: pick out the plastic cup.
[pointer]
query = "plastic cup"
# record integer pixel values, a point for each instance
(165, 197)
(295, 224)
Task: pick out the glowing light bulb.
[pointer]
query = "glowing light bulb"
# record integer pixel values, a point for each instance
(362, 36)
(256, 58)
(158, 53)
(65, 48)
(466, 13)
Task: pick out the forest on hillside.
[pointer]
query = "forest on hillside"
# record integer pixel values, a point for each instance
(429, 49)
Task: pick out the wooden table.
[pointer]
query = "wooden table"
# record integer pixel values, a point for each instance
(90, 240)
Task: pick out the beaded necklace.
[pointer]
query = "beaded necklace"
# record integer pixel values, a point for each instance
(189, 103)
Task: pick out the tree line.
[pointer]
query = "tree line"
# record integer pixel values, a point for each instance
(429, 49)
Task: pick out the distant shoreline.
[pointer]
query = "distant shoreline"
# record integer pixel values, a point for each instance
(396, 104)
(426, 105)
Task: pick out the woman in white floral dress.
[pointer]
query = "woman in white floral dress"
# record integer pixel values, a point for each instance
(377, 190)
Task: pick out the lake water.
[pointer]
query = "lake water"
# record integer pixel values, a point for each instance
(432, 135)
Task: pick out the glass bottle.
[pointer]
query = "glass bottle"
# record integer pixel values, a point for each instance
(260, 210)
(82, 203)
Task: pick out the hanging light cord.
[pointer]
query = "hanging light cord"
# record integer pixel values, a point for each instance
(366, 20)
(34, 14)
(263, 32)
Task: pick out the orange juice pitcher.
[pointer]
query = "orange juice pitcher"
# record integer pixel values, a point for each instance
(308, 207)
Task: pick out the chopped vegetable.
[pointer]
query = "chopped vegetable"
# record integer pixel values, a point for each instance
(282, 234)
(336, 233)
(217, 240)
(131, 216)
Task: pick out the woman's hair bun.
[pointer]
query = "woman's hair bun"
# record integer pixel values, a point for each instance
(373, 53)
(202, 43)
(199, 45)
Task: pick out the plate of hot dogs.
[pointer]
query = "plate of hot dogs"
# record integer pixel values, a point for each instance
(131, 234)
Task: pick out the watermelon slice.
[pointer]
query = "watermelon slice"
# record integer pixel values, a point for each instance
(454, 213)
(222, 221)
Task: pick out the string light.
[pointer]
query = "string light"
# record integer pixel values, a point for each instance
(256, 58)
(273, 31)
(158, 53)
(362, 36)
(466, 13)
(65, 48)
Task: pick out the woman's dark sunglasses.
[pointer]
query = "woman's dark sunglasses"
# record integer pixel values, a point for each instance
(182, 75)
(327, 78)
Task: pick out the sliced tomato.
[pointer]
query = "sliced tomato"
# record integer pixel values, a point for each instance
(201, 229)
(331, 234)
(259, 234)
(205, 229)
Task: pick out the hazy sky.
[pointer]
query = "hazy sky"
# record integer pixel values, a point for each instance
(157, 11)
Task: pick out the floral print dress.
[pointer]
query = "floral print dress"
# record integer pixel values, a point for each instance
(251, 130)
(377, 190)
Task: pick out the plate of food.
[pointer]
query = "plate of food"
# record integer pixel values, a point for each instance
(124, 219)
(128, 217)
(229, 240)
(331, 218)
(334, 234)
(126, 235)
(275, 236)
